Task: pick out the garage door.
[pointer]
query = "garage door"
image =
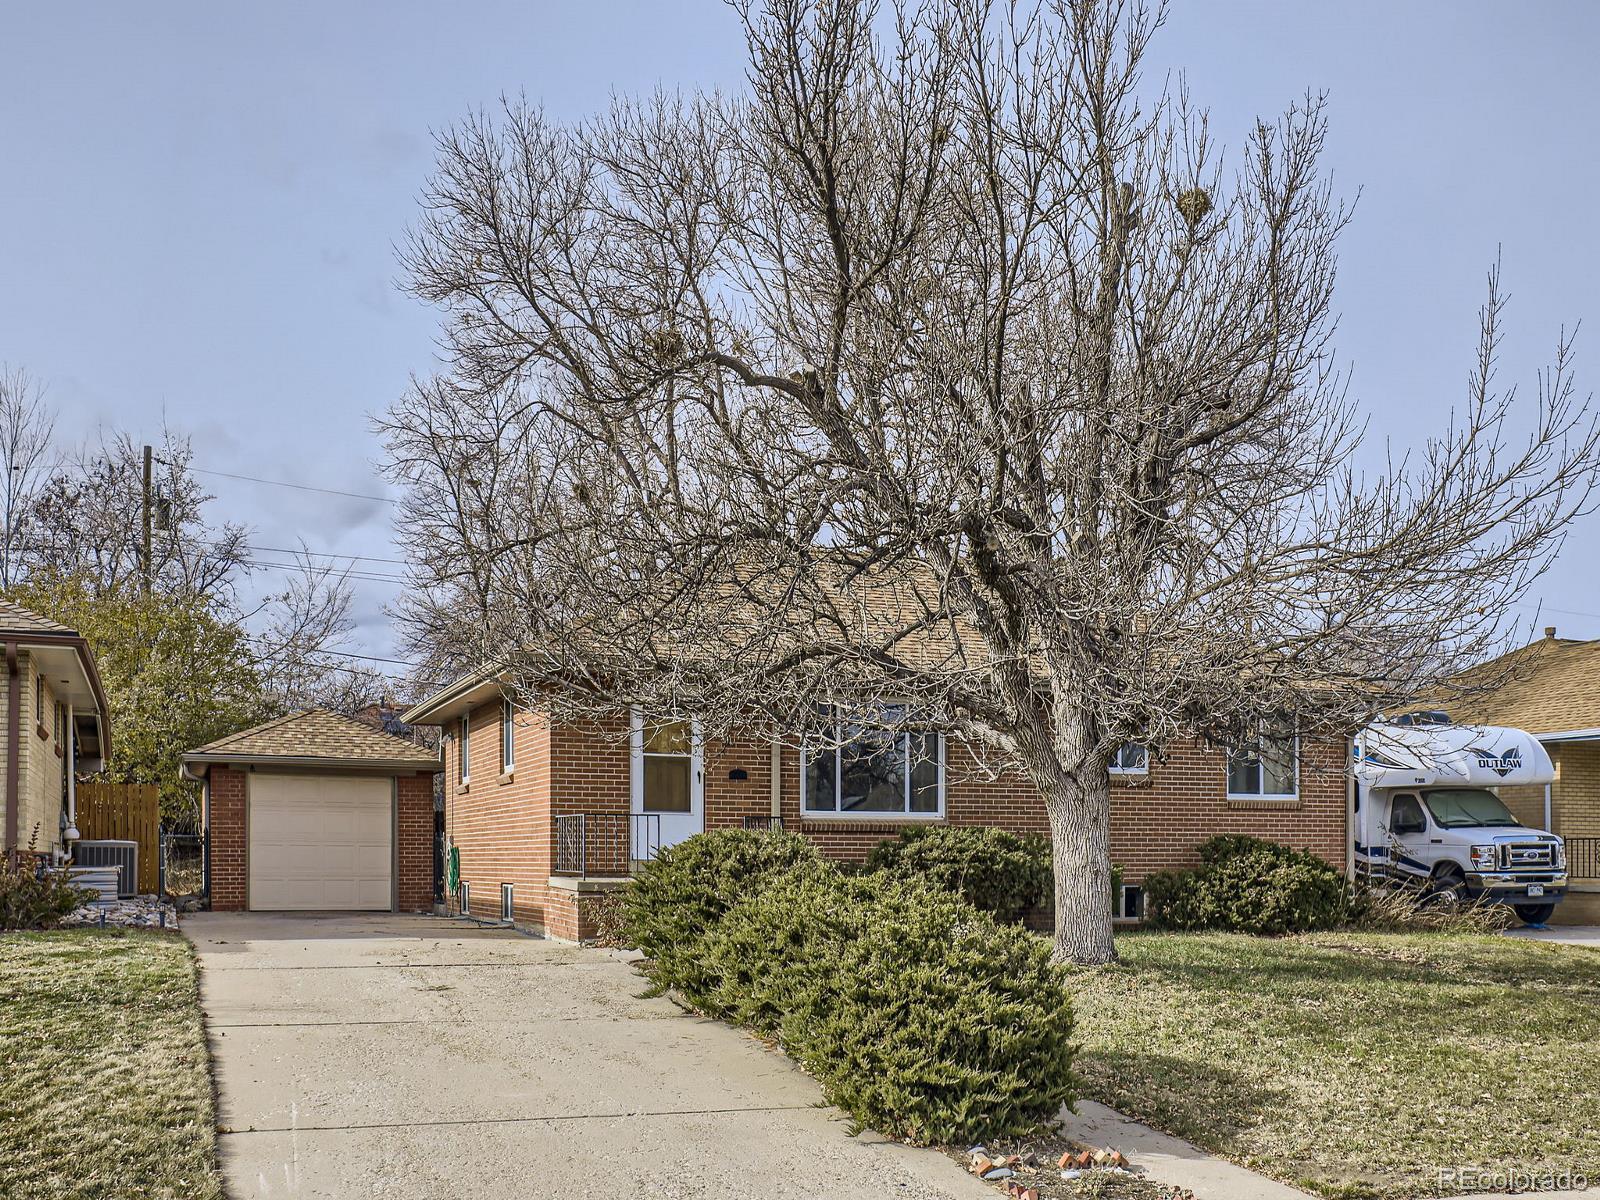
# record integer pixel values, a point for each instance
(320, 842)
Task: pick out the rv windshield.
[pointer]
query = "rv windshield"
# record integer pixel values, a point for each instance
(1458, 808)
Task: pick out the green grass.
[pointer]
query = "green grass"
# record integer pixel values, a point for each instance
(1353, 1064)
(105, 1091)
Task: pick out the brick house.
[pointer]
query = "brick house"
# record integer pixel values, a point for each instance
(1551, 688)
(315, 810)
(546, 816)
(56, 728)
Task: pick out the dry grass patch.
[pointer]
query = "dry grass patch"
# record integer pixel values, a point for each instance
(106, 1092)
(1355, 1065)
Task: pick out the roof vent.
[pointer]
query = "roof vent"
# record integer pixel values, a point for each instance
(1550, 632)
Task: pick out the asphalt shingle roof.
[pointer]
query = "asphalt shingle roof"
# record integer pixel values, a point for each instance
(16, 619)
(318, 735)
(1551, 686)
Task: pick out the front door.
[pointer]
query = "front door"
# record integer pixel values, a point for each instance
(668, 783)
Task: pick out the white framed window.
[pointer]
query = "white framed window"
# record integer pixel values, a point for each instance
(874, 770)
(508, 736)
(1131, 758)
(1268, 769)
(462, 751)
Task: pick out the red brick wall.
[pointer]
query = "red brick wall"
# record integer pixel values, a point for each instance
(226, 826)
(500, 822)
(225, 788)
(504, 831)
(414, 842)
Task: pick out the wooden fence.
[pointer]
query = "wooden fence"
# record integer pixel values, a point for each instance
(129, 812)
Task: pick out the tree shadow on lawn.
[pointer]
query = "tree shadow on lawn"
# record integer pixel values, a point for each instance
(1221, 1111)
(1214, 1106)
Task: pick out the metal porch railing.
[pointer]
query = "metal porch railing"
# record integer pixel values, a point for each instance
(605, 845)
(1583, 857)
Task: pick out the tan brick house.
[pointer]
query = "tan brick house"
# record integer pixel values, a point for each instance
(54, 724)
(545, 816)
(315, 810)
(1551, 688)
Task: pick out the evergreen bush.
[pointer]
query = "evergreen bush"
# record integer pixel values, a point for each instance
(1004, 874)
(920, 1016)
(681, 894)
(1247, 885)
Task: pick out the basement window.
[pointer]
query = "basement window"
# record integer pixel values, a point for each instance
(1131, 903)
(507, 904)
(464, 898)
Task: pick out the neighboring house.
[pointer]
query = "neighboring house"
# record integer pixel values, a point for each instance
(546, 816)
(1551, 688)
(317, 811)
(55, 727)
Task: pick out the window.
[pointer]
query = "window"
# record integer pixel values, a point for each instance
(873, 769)
(1131, 758)
(668, 761)
(38, 700)
(1132, 907)
(1405, 816)
(508, 904)
(1267, 770)
(508, 737)
(461, 743)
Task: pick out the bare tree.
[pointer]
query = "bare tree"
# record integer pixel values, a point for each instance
(26, 428)
(87, 520)
(948, 377)
(303, 629)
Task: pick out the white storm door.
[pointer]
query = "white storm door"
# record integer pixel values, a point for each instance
(668, 783)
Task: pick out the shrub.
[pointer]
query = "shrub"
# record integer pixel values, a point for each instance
(682, 893)
(1001, 873)
(31, 900)
(1247, 885)
(606, 914)
(920, 1016)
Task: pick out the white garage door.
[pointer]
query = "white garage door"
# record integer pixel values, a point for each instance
(320, 842)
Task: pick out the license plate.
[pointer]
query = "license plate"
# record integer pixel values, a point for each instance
(1536, 889)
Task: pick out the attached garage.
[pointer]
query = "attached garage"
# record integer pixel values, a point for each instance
(316, 811)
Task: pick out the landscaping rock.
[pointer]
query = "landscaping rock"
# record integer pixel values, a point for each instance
(136, 912)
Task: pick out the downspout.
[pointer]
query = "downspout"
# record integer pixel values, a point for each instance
(1350, 816)
(13, 745)
(775, 773)
(72, 834)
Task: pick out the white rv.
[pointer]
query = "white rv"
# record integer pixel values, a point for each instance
(1427, 814)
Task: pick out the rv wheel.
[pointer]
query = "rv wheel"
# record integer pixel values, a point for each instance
(1535, 914)
(1446, 890)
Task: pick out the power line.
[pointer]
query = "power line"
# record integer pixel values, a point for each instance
(303, 487)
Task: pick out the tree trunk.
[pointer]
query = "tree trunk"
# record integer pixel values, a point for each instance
(1079, 807)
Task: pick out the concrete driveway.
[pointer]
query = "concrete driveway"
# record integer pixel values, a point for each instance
(404, 1056)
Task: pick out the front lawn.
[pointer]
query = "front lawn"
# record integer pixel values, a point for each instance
(105, 1090)
(1354, 1064)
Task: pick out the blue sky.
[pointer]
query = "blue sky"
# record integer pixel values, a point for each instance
(201, 204)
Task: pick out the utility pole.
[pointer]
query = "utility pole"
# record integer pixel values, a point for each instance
(145, 558)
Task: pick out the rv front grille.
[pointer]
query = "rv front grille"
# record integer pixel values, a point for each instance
(1522, 855)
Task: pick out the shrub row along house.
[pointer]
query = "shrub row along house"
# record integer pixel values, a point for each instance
(545, 816)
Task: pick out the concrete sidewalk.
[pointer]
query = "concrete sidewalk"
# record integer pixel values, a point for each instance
(414, 1057)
